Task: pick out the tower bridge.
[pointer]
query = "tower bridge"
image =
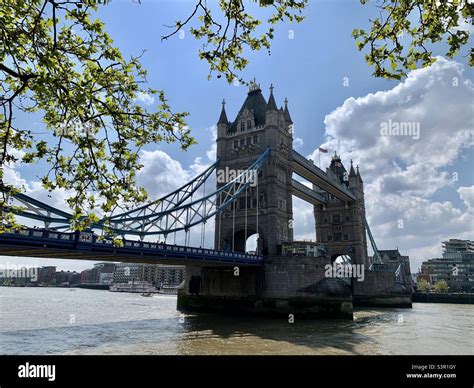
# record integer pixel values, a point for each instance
(258, 146)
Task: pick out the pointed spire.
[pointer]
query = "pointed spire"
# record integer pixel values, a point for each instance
(287, 112)
(271, 100)
(358, 175)
(223, 116)
(253, 86)
(352, 172)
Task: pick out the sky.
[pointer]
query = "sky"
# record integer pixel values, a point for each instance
(419, 190)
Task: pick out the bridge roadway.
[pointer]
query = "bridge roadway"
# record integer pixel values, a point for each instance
(308, 170)
(32, 242)
(307, 194)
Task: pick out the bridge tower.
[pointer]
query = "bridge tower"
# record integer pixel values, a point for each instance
(266, 208)
(340, 225)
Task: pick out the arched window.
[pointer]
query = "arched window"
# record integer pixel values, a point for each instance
(336, 218)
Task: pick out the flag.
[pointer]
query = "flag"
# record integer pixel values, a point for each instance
(323, 150)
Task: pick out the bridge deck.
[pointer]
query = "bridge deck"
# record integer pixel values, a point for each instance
(87, 246)
(314, 174)
(307, 194)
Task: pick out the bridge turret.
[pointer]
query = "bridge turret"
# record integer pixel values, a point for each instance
(338, 169)
(223, 123)
(339, 224)
(271, 112)
(286, 114)
(259, 125)
(353, 180)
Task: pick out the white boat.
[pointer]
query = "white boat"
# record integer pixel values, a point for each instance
(135, 287)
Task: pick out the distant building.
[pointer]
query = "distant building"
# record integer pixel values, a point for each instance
(400, 264)
(170, 275)
(46, 274)
(457, 249)
(104, 273)
(456, 266)
(67, 277)
(155, 274)
(87, 276)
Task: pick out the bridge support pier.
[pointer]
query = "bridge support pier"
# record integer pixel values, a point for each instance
(381, 289)
(290, 287)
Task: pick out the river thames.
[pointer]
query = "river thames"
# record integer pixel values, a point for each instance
(61, 321)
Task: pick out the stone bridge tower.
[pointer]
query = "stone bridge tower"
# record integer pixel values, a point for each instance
(340, 226)
(258, 125)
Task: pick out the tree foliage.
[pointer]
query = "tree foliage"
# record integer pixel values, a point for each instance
(58, 61)
(423, 286)
(230, 29)
(421, 23)
(441, 286)
(55, 59)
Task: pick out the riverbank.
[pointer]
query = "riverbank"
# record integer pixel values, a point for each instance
(422, 297)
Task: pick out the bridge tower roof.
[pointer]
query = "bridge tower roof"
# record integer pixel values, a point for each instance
(338, 168)
(255, 103)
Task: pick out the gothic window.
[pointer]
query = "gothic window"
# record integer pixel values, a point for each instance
(242, 142)
(242, 126)
(255, 139)
(346, 237)
(348, 217)
(336, 218)
(249, 124)
(249, 141)
(337, 236)
(283, 205)
(329, 238)
(236, 144)
(325, 219)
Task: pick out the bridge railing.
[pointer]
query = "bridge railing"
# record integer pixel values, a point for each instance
(89, 238)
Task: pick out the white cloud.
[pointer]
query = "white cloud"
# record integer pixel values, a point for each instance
(467, 195)
(297, 142)
(145, 98)
(402, 174)
(212, 153)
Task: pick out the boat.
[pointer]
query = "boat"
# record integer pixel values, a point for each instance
(146, 294)
(133, 286)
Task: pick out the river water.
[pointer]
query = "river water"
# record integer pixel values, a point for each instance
(60, 321)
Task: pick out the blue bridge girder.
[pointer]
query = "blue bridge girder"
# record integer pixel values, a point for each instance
(33, 242)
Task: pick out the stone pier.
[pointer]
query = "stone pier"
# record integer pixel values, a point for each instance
(284, 286)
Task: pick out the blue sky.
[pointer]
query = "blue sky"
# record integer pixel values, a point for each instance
(309, 70)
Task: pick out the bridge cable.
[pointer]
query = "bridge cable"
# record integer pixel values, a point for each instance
(203, 228)
(245, 240)
(220, 224)
(234, 205)
(258, 234)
